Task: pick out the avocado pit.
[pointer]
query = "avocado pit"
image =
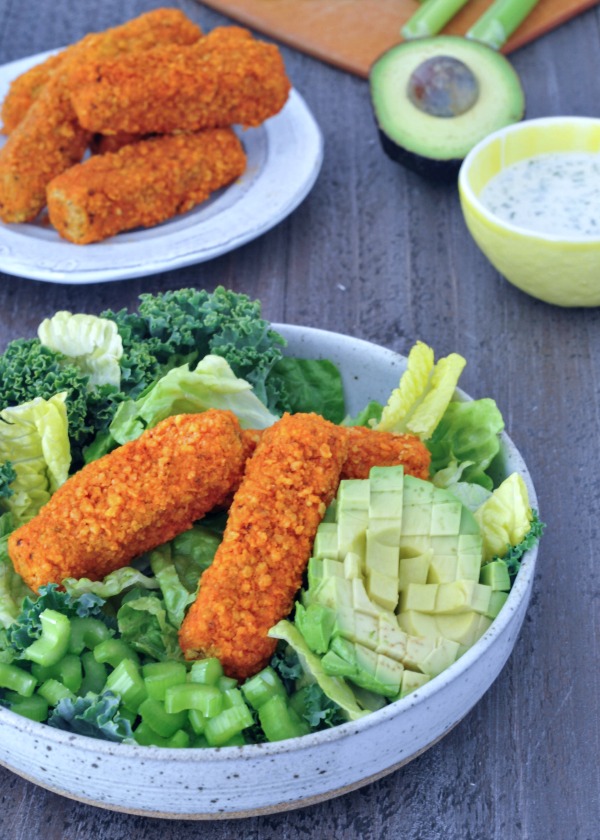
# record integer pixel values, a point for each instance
(443, 87)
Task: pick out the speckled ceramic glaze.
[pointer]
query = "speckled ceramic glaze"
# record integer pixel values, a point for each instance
(243, 781)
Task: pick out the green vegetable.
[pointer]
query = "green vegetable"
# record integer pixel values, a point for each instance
(499, 21)
(92, 344)
(424, 392)
(465, 442)
(431, 17)
(53, 642)
(159, 676)
(7, 476)
(514, 555)
(144, 625)
(212, 384)
(34, 438)
(311, 385)
(127, 683)
(115, 583)
(16, 679)
(505, 518)
(185, 325)
(95, 715)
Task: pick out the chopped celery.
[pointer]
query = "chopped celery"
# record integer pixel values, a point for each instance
(147, 737)
(205, 698)
(87, 632)
(206, 671)
(54, 641)
(34, 707)
(153, 713)
(262, 686)
(54, 691)
(94, 674)
(114, 651)
(127, 682)
(227, 724)
(279, 721)
(67, 670)
(159, 676)
(17, 680)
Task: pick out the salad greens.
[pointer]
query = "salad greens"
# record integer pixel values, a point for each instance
(101, 658)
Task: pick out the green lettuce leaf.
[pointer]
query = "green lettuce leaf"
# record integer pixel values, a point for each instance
(144, 625)
(183, 391)
(311, 385)
(34, 438)
(465, 442)
(115, 583)
(176, 597)
(418, 403)
(93, 344)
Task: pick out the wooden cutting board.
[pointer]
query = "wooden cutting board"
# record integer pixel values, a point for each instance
(351, 34)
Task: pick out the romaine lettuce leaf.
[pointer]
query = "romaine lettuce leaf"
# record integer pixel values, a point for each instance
(176, 597)
(418, 403)
(183, 391)
(144, 625)
(34, 438)
(311, 385)
(91, 343)
(115, 583)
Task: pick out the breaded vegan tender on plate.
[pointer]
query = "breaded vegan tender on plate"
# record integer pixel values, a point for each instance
(226, 78)
(139, 496)
(48, 138)
(143, 183)
(257, 570)
(160, 26)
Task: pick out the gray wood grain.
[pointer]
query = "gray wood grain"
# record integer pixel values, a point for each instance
(377, 252)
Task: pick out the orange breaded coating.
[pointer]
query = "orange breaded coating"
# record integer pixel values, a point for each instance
(48, 139)
(257, 571)
(162, 26)
(142, 184)
(226, 78)
(137, 497)
(369, 448)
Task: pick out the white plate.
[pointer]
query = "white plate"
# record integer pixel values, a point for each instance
(263, 778)
(284, 159)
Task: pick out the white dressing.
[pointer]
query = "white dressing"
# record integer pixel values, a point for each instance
(556, 193)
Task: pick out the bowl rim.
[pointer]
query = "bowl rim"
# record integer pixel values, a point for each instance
(419, 697)
(469, 196)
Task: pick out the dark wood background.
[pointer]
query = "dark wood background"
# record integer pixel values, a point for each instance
(376, 252)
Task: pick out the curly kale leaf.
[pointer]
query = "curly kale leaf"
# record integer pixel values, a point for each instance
(95, 715)
(7, 476)
(27, 627)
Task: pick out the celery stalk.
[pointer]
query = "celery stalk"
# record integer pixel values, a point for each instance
(497, 24)
(430, 18)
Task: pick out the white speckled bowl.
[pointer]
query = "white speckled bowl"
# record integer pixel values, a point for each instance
(245, 781)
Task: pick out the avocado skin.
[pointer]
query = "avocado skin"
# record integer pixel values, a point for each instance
(442, 171)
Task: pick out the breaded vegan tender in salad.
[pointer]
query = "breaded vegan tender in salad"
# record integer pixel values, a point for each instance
(200, 547)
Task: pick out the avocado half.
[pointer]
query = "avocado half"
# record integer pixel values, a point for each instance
(435, 98)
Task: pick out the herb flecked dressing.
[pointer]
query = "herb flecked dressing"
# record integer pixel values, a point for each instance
(556, 193)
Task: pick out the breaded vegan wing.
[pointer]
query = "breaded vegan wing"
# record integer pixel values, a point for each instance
(137, 497)
(226, 78)
(142, 184)
(157, 27)
(369, 448)
(288, 484)
(48, 138)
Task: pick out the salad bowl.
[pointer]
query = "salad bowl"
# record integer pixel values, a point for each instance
(254, 779)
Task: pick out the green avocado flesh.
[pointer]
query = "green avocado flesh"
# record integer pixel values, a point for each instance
(436, 98)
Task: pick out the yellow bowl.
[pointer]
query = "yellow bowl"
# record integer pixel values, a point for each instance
(561, 270)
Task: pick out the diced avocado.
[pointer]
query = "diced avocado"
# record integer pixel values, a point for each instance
(495, 574)
(462, 628)
(368, 699)
(353, 494)
(352, 566)
(462, 596)
(468, 566)
(418, 648)
(418, 624)
(382, 589)
(446, 518)
(417, 491)
(316, 624)
(387, 479)
(497, 601)
(335, 689)
(417, 520)
(392, 640)
(361, 600)
(419, 596)
(326, 541)
(352, 525)
(414, 569)
(442, 568)
(440, 658)
(382, 558)
(370, 670)
(411, 680)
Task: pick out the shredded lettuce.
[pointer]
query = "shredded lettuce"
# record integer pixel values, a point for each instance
(418, 403)
(183, 391)
(93, 344)
(143, 624)
(115, 583)
(34, 438)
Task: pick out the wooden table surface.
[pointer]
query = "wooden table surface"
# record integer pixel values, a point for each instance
(376, 252)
